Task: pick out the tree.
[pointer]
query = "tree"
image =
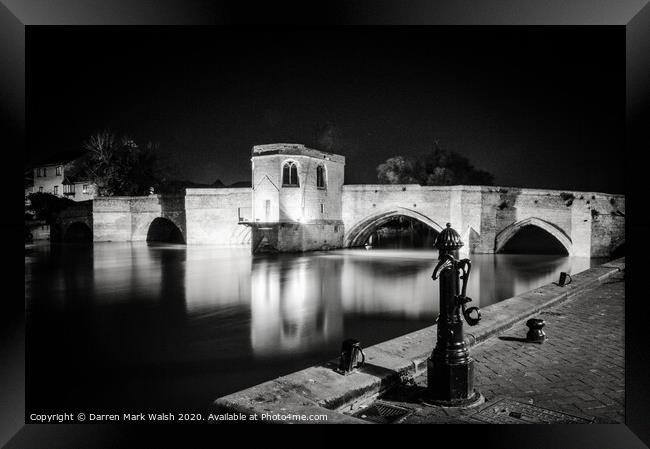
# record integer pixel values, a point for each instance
(117, 165)
(438, 167)
(398, 170)
(47, 205)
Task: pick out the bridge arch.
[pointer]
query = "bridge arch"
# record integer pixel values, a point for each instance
(164, 230)
(509, 232)
(78, 232)
(359, 232)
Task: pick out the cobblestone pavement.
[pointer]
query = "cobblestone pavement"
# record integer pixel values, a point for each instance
(578, 370)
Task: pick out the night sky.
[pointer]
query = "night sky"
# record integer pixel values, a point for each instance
(535, 106)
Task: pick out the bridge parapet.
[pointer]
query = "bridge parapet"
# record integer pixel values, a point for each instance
(150, 203)
(79, 209)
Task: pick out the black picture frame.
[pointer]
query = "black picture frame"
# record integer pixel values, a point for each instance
(16, 15)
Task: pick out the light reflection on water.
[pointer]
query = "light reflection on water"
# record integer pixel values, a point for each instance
(254, 317)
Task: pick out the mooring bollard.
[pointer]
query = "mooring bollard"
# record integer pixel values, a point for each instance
(450, 369)
(563, 277)
(535, 332)
(349, 358)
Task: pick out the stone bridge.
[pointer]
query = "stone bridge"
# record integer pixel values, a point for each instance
(140, 218)
(585, 224)
(200, 216)
(74, 224)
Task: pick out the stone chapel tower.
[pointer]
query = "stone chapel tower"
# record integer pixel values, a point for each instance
(296, 198)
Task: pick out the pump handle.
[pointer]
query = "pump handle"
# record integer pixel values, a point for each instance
(445, 261)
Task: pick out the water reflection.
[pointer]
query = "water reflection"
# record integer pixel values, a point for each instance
(398, 282)
(295, 304)
(234, 318)
(217, 278)
(388, 282)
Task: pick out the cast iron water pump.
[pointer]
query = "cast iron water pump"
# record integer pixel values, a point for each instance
(450, 369)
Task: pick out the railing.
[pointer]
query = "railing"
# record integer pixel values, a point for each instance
(244, 214)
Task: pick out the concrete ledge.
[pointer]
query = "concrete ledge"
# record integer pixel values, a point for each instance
(274, 397)
(319, 389)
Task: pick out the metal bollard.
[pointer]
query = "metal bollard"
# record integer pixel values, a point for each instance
(535, 332)
(563, 277)
(349, 358)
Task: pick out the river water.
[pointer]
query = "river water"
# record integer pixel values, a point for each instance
(172, 327)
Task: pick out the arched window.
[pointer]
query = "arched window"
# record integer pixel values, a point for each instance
(290, 175)
(321, 181)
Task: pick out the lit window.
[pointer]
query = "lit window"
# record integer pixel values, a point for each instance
(290, 175)
(320, 177)
(85, 188)
(58, 170)
(56, 190)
